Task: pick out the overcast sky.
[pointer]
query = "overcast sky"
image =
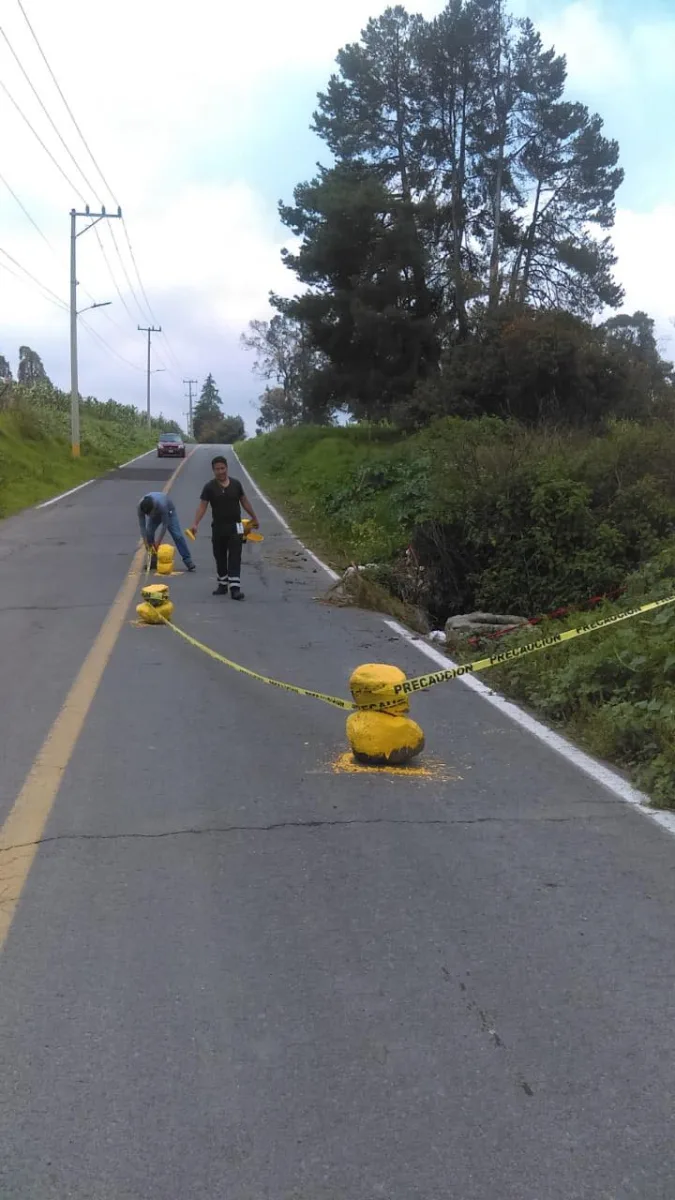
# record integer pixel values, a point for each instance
(198, 115)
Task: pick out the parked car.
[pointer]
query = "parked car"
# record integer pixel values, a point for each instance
(170, 444)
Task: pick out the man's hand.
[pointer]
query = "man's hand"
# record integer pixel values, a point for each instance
(193, 530)
(255, 522)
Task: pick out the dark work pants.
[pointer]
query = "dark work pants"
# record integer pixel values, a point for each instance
(227, 553)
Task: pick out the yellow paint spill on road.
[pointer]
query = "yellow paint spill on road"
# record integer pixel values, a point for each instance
(430, 769)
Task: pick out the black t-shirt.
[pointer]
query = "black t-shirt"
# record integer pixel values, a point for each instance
(225, 504)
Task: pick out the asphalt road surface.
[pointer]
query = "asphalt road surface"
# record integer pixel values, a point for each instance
(237, 972)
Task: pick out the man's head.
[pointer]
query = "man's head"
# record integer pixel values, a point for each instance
(219, 468)
(147, 505)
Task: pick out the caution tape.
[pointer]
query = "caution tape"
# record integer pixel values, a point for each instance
(286, 687)
(422, 683)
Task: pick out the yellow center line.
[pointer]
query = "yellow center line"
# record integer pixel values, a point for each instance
(25, 824)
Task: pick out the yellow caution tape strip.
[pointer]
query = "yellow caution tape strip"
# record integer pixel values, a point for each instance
(422, 683)
(286, 687)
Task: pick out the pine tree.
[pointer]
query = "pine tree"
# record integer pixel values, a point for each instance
(208, 409)
(31, 368)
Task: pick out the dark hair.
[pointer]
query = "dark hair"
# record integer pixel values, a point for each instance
(147, 505)
(220, 458)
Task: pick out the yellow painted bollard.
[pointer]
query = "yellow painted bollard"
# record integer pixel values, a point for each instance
(388, 737)
(165, 557)
(155, 607)
(374, 683)
(155, 593)
(154, 614)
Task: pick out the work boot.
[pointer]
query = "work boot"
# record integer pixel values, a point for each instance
(236, 593)
(221, 590)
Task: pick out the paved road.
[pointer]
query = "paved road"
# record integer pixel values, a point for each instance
(235, 974)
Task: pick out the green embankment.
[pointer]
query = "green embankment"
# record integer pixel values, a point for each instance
(513, 521)
(35, 458)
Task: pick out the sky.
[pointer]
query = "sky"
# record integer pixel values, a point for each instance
(197, 117)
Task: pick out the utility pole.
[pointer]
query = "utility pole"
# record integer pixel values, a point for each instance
(189, 383)
(94, 219)
(149, 329)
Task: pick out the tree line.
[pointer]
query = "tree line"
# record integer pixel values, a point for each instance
(455, 257)
(210, 424)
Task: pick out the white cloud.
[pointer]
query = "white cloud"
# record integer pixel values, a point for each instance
(604, 53)
(646, 249)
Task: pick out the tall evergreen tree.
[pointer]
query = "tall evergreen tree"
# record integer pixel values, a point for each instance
(31, 368)
(361, 309)
(208, 409)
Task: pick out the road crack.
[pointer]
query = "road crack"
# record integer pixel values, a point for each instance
(276, 826)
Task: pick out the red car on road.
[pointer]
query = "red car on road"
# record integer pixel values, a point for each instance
(170, 445)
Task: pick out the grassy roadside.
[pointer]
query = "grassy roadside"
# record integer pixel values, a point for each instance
(612, 692)
(318, 477)
(35, 458)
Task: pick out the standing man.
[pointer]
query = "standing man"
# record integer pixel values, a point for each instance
(227, 498)
(156, 514)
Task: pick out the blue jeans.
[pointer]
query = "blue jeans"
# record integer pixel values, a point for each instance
(173, 527)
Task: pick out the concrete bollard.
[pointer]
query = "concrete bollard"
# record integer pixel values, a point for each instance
(154, 614)
(165, 557)
(155, 607)
(388, 737)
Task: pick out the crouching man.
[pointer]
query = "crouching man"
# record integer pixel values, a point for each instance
(157, 514)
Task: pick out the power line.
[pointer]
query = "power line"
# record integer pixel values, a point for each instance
(42, 286)
(97, 167)
(133, 259)
(26, 213)
(45, 239)
(94, 333)
(46, 149)
(70, 183)
(126, 276)
(46, 112)
(87, 147)
(66, 104)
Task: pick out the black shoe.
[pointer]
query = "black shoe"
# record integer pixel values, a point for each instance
(236, 593)
(221, 590)
(191, 567)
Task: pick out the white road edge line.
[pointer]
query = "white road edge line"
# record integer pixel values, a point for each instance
(46, 503)
(596, 771)
(275, 513)
(583, 762)
(62, 495)
(133, 460)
